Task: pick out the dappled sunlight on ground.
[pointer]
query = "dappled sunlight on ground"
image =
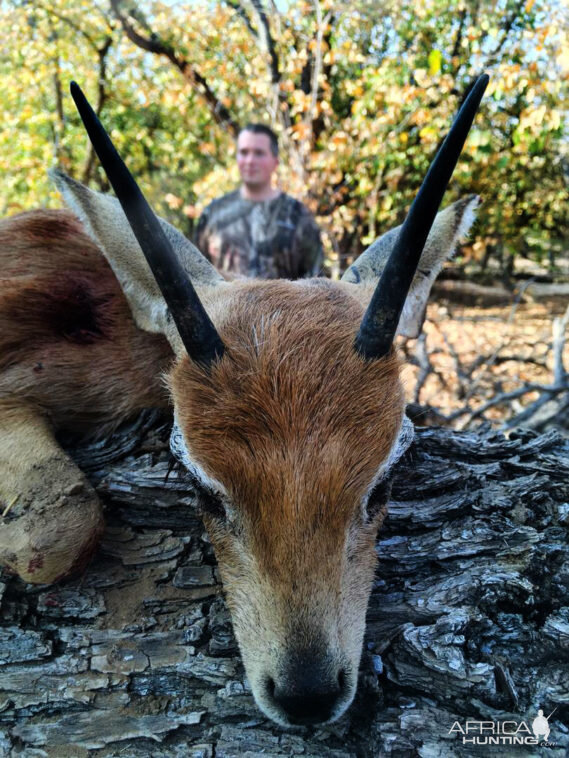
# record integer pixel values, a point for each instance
(479, 353)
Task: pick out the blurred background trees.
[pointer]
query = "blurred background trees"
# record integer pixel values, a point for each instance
(361, 95)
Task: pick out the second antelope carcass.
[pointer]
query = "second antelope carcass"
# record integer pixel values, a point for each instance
(288, 407)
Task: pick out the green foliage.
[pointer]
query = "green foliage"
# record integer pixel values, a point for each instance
(361, 95)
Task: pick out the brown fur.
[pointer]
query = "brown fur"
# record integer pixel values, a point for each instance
(303, 416)
(294, 425)
(68, 344)
(286, 434)
(291, 422)
(71, 359)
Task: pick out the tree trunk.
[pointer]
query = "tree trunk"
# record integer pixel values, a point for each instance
(469, 617)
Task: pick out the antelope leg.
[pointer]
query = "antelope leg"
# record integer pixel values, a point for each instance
(50, 516)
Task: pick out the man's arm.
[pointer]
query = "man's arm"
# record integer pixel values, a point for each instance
(201, 236)
(309, 242)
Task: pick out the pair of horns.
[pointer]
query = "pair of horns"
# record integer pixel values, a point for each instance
(379, 324)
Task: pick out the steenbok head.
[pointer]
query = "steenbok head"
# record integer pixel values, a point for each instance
(289, 414)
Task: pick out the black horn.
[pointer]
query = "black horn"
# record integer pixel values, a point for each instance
(380, 321)
(196, 329)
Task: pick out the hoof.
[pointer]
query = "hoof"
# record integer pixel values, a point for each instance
(49, 538)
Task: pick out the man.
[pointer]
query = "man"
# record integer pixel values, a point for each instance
(257, 230)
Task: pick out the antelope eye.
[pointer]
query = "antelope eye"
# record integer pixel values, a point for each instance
(208, 501)
(210, 504)
(378, 498)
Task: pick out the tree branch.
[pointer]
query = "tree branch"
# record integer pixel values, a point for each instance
(242, 13)
(156, 46)
(69, 22)
(506, 28)
(458, 38)
(559, 328)
(268, 41)
(101, 99)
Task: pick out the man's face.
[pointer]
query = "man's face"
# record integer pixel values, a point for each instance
(255, 160)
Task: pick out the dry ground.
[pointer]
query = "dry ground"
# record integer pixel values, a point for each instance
(478, 353)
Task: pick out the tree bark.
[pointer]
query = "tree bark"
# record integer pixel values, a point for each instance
(469, 616)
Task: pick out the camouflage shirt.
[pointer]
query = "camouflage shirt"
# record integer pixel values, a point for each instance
(269, 239)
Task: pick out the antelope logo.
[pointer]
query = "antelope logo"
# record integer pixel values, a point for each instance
(288, 408)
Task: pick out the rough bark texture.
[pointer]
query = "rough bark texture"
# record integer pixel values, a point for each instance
(469, 618)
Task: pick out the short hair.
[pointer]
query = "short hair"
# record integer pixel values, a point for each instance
(267, 131)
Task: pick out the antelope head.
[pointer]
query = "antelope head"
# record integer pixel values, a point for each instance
(289, 414)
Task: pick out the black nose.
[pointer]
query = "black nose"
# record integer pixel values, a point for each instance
(308, 692)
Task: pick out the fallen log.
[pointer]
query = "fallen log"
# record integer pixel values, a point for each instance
(546, 290)
(469, 293)
(468, 620)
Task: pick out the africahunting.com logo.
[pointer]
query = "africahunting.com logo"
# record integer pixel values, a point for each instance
(505, 732)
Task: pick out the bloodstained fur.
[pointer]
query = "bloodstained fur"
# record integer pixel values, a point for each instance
(68, 343)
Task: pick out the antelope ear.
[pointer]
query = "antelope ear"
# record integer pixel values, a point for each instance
(449, 227)
(106, 222)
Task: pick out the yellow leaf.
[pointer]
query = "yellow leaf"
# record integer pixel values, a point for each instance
(300, 131)
(435, 60)
(428, 134)
(173, 201)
